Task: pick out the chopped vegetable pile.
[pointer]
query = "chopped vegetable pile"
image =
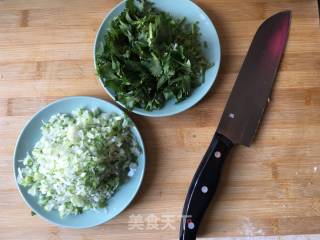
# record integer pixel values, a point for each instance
(149, 57)
(80, 160)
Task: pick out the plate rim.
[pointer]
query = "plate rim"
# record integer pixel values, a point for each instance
(154, 113)
(42, 109)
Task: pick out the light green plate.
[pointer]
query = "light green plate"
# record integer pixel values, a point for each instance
(31, 134)
(193, 13)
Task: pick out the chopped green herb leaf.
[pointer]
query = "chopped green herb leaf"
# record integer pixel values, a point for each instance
(150, 57)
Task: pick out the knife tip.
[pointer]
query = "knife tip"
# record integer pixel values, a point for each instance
(288, 11)
(285, 14)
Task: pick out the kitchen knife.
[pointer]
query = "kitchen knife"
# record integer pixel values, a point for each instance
(241, 116)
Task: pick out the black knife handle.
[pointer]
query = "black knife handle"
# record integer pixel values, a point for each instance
(203, 186)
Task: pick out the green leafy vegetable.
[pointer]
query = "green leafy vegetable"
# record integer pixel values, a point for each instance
(80, 161)
(150, 57)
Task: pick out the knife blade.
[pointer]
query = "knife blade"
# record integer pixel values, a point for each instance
(241, 117)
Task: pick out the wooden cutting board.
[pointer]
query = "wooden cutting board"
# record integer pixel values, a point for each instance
(271, 188)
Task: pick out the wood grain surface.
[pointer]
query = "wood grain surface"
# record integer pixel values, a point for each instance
(271, 188)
